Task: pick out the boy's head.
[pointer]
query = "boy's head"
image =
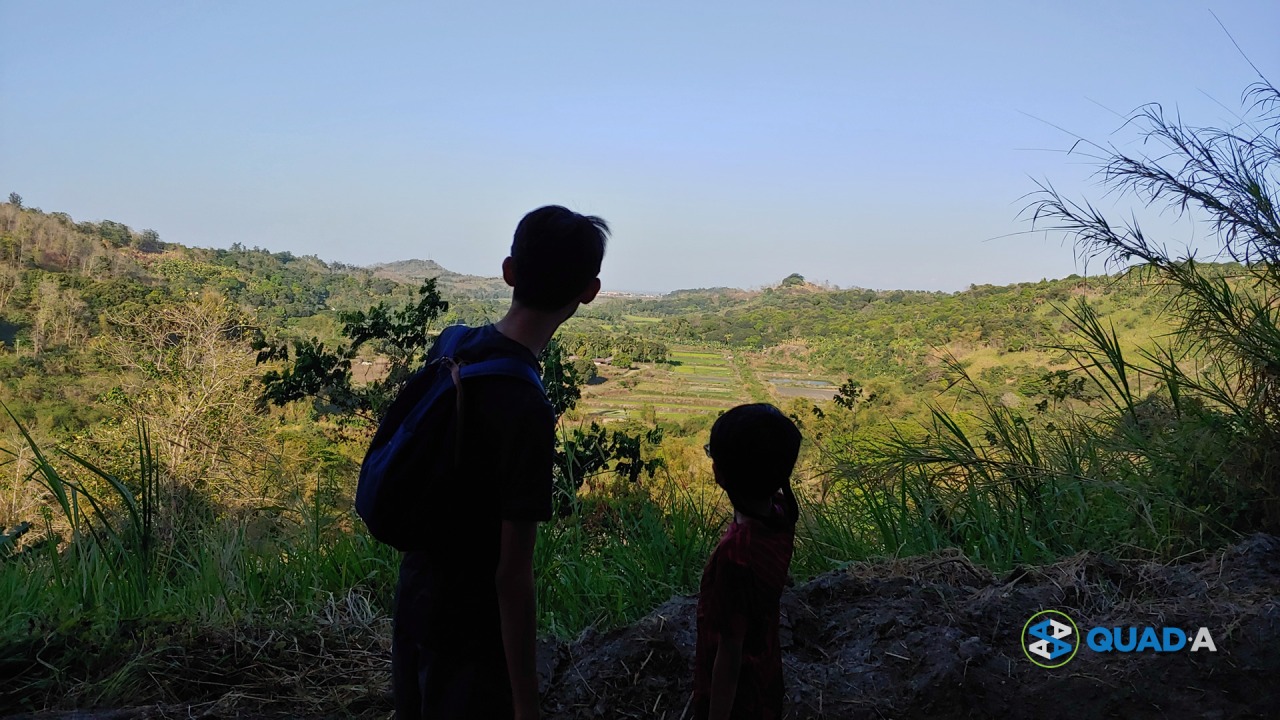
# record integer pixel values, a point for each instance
(753, 449)
(555, 258)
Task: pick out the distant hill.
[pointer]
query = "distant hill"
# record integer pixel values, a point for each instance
(450, 282)
(795, 282)
(62, 282)
(897, 334)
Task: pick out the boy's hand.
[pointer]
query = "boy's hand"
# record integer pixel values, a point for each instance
(517, 610)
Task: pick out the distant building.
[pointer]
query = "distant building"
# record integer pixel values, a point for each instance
(623, 294)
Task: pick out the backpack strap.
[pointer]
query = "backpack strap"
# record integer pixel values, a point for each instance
(497, 366)
(447, 345)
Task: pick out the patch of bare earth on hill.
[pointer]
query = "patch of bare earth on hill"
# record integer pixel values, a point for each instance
(932, 637)
(940, 637)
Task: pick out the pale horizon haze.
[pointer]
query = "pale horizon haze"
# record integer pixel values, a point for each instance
(880, 145)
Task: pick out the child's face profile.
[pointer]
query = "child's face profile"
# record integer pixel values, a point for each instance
(715, 471)
(719, 477)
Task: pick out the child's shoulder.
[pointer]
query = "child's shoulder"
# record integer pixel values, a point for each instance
(743, 540)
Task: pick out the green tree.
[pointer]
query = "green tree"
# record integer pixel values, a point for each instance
(189, 376)
(10, 281)
(584, 367)
(324, 375)
(851, 394)
(147, 241)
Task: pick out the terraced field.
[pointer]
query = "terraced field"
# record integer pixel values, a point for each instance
(699, 381)
(790, 377)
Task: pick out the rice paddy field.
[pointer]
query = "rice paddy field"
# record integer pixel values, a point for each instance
(698, 381)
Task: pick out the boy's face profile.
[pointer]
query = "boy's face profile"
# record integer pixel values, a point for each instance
(718, 476)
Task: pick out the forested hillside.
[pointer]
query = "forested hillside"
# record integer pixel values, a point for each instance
(65, 284)
(70, 292)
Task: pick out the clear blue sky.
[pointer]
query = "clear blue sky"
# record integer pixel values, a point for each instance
(729, 143)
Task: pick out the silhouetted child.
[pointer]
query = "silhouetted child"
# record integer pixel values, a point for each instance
(463, 644)
(738, 664)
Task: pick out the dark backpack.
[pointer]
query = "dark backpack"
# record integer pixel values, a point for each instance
(408, 460)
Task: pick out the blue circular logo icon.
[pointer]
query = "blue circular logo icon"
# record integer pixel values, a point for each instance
(1050, 639)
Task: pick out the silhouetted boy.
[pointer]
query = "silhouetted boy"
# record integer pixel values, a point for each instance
(738, 663)
(463, 644)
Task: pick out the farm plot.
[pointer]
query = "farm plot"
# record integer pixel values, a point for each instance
(787, 376)
(697, 382)
(789, 386)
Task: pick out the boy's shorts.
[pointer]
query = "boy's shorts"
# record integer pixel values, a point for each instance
(445, 664)
(430, 685)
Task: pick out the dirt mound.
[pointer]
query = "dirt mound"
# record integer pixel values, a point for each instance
(939, 637)
(926, 637)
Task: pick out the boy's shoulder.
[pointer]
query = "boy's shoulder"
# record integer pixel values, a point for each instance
(484, 342)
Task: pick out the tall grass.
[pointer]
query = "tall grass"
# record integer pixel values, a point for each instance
(1185, 464)
(101, 602)
(114, 560)
(618, 558)
(1004, 488)
(1183, 450)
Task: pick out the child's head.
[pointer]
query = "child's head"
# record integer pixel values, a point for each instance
(555, 258)
(753, 449)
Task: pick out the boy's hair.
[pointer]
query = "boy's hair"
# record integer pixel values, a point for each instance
(755, 449)
(557, 253)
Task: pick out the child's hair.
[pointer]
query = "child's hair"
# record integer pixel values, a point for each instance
(755, 449)
(557, 253)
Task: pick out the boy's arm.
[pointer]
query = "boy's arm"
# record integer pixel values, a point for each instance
(517, 610)
(724, 676)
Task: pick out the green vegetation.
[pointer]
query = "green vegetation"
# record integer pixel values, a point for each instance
(1173, 448)
(185, 425)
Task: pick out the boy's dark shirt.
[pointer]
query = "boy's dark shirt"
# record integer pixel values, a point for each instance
(741, 588)
(447, 601)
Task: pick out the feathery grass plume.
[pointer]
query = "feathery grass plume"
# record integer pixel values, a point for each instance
(1219, 374)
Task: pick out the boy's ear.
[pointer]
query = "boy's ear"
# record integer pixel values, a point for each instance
(509, 271)
(593, 288)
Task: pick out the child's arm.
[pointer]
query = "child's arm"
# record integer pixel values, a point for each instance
(724, 676)
(517, 610)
